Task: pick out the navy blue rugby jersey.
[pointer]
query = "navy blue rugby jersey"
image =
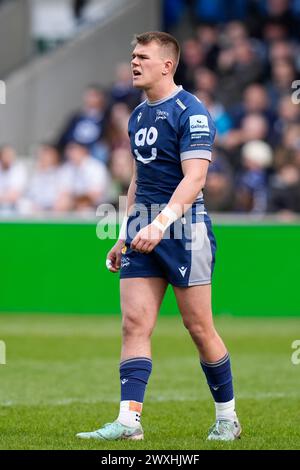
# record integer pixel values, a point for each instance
(164, 133)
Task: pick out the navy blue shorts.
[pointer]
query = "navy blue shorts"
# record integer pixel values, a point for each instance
(184, 257)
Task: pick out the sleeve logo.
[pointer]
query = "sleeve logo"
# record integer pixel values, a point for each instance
(199, 123)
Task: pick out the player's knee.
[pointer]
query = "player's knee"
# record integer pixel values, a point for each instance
(134, 324)
(199, 331)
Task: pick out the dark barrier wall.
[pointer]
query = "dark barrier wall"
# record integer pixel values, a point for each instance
(60, 267)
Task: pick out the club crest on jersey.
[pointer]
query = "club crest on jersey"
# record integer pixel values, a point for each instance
(161, 115)
(199, 123)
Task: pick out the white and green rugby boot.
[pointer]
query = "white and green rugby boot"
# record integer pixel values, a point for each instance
(225, 430)
(113, 432)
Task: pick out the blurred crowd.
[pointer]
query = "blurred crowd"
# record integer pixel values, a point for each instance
(243, 62)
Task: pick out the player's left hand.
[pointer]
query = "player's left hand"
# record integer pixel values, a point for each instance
(146, 239)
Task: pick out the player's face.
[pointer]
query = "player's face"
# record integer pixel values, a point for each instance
(147, 65)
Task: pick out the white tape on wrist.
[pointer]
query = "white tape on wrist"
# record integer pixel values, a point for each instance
(108, 263)
(172, 216)
(158, 225)
(123, 229)
(169, 214)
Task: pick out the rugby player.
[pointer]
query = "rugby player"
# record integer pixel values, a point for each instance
(171, 135)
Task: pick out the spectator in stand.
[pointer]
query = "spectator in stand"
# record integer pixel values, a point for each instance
(122, 90)
(205, 80)
(273, 18)
(45, 183)
(255, 101)
(84, 180)
(117, 129)
(121, 169)
(283, 51)
(192, 57)
(235, 32)
(208, 38)
(283, 74)
(13, 179)
(219, 184)
(296, 148)
(88, 125)
(274, 31)
(238, 67)
(287, 150)
(251, 184)
(280, 12)
(253, 127)
(288, 114)
(285, 191)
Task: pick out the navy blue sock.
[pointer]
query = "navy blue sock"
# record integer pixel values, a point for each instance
(219, 379)
(134, 375)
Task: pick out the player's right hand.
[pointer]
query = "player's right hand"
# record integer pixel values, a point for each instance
(113, 257)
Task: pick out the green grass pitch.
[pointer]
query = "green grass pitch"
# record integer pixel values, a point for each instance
(61, 377)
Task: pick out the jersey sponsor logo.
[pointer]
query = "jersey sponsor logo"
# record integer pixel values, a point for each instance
(199, 136)
(161, 115)
(182, 270)
(199, 122)
(146, 160)
(146, 136)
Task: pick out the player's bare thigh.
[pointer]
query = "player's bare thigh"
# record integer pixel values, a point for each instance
(140, 302)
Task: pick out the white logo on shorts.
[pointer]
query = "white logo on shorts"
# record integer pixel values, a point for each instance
(124, 381)
(125, 261)
(182, 271)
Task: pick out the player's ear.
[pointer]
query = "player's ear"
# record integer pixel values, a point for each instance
(168, 67)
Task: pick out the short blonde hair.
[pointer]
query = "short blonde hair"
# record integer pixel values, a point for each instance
(165, 40)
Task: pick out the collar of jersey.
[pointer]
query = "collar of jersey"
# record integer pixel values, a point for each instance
(155, 103)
